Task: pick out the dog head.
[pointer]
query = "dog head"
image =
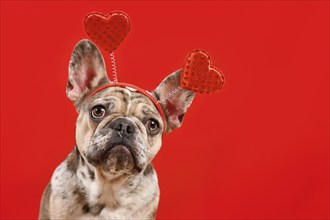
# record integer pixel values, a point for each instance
(119, 130)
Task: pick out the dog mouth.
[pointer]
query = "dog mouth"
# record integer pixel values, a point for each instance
(120, 157)
(115, 156)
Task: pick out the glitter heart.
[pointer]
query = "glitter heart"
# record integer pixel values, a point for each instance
(199, 76)
(107, 31)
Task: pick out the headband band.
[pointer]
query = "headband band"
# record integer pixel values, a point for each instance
(137, 89)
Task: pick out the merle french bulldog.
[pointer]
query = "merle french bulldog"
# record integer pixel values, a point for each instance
(109, 174)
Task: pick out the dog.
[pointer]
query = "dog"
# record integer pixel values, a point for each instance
(119, 130)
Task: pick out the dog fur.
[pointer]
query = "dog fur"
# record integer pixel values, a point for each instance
(109, 174)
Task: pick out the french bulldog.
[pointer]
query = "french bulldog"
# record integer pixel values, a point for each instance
(109, 173)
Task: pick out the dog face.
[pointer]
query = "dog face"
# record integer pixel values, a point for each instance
(119, 130)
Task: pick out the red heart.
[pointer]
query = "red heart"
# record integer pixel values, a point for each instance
(199, 76)
(107, 31)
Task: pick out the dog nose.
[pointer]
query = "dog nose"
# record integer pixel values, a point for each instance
(123, 125)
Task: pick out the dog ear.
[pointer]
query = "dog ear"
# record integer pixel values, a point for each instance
(175, 101)
(86, 71)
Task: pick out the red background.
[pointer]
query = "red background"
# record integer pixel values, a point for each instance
(259, 149)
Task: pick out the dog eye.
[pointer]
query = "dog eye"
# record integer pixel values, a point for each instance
(152, 125)
(98, 112)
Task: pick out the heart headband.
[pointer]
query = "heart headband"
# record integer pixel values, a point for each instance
(109, 31)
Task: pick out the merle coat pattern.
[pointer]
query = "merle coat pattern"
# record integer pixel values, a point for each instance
(108, 174)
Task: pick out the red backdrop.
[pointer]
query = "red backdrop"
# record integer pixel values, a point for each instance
(259, 149)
